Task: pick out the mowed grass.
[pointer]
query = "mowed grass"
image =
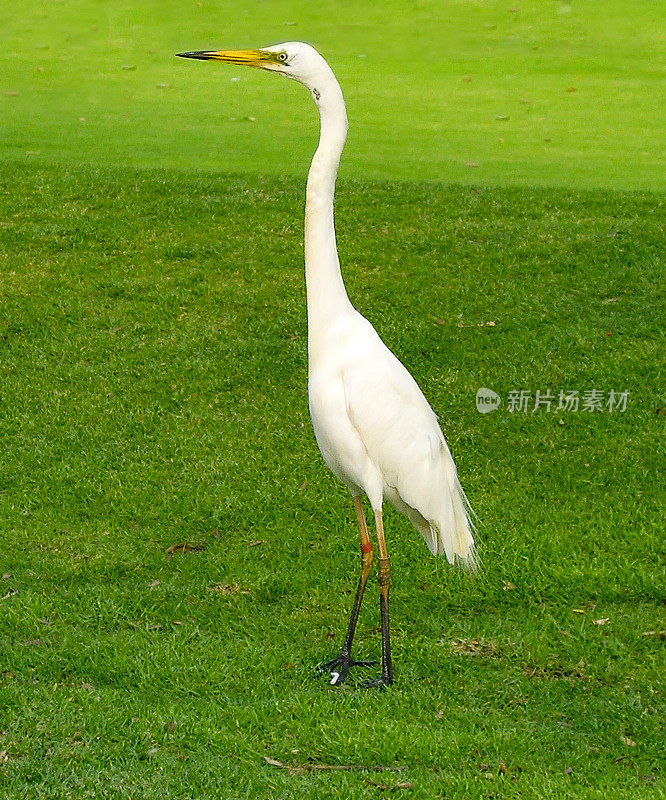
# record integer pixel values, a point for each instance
(477, 91)
(153, 392)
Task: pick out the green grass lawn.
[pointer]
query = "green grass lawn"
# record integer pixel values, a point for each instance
(468, 91)
(152, 379)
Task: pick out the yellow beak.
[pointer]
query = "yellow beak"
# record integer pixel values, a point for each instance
(248, 58)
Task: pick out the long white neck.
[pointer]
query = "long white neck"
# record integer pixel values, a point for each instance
(326, 294)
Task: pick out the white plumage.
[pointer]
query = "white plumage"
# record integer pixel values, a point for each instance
(373, 425)
(378, 434)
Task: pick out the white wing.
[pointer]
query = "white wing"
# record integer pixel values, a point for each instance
(403, 439)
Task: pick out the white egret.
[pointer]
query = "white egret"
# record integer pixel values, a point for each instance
(372, 423)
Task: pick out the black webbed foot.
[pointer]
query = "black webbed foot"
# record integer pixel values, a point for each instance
(340, 666)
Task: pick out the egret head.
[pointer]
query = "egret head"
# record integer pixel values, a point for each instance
(296, 60)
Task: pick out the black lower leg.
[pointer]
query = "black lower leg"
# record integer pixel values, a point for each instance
(353, 617)
(340, 666)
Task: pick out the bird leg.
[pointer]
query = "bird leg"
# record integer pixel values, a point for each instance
(340, 666)
(384, 578)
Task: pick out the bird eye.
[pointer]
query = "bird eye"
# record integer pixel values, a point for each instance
(282, 56)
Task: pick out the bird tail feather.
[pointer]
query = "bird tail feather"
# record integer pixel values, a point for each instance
(464, 549)
(447, 524)
(452, 533)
